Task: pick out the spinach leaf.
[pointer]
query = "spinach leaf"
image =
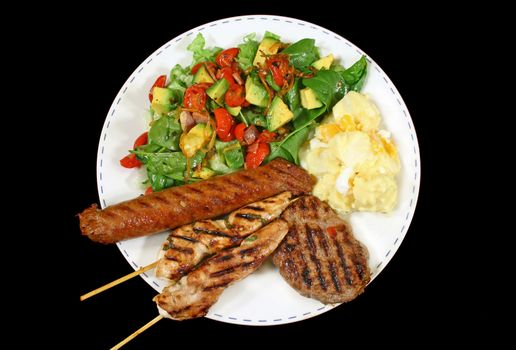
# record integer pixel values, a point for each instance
(328, 85)
(355, 75)
(159, 182)
(271, 35)
(289, 147)
(247, 51)
(293, 99)
(302, 53)
(308, 116)
(165, 132)
(200, 54)
(256, 117)
(271, 82)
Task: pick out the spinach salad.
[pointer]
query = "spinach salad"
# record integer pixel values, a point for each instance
(238, 108)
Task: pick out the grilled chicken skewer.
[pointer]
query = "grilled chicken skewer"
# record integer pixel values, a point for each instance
(188, 245)
(195, 293)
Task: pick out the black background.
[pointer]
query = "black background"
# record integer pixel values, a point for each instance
(400, 302)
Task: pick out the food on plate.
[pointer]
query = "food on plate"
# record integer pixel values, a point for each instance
(320, 257)
(195, 293)
(355, 162)
(188, 245)
(237, 108)
(201, 200)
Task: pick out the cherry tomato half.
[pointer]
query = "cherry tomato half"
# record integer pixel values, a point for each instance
(254, 159)
(226, 73)
(141, 140)
(130, 161)
(235, 96)
(226, 57)
(266, 136)
(195, 98)
(239, 131)
(278, 66)
(160, 82)
(224, 124)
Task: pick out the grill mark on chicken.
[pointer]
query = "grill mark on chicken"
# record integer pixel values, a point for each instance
(254, 208)
(196, 292)
(215, 286)
(181, 249)
(249, 251)
(184, 238)
(250, 217)
(224, 258)
(200, 230)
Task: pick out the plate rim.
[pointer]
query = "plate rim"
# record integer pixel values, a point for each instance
(290, 20)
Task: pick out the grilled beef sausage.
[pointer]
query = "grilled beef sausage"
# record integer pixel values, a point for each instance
(181, 205)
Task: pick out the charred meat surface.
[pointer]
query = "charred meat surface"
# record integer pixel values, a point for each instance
(187, 245)
(177, 206)
(320, 257)
(195, 293)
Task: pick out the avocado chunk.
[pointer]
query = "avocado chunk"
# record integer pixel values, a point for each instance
(323, 63)
(279, 114)
(161, 100)
(268, 46)
(255, 93)
(202, 76)
(204, 173)
(233, 110)
(309, 100)
(217, 91)
(193, 141)
(218, 165)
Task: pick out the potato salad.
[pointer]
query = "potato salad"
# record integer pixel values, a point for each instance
(355, 162)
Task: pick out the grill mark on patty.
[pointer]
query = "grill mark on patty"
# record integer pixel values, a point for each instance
(184, 238)
(310, 233)
(334, 275)
(200, 230)
(342, 258)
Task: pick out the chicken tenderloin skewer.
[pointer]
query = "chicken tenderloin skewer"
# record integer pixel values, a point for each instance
(188, 245)
(196, 292)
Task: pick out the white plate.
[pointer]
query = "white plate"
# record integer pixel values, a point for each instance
(263, 298)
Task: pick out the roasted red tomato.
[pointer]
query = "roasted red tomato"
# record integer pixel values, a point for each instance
(195, 98)
(224, 124)
(226, 57)
(255, 158)
(235, 96)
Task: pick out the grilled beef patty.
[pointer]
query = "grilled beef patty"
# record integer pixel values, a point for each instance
(320, 257)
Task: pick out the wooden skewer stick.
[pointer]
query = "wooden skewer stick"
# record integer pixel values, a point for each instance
(138, 332)
(118, 281)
